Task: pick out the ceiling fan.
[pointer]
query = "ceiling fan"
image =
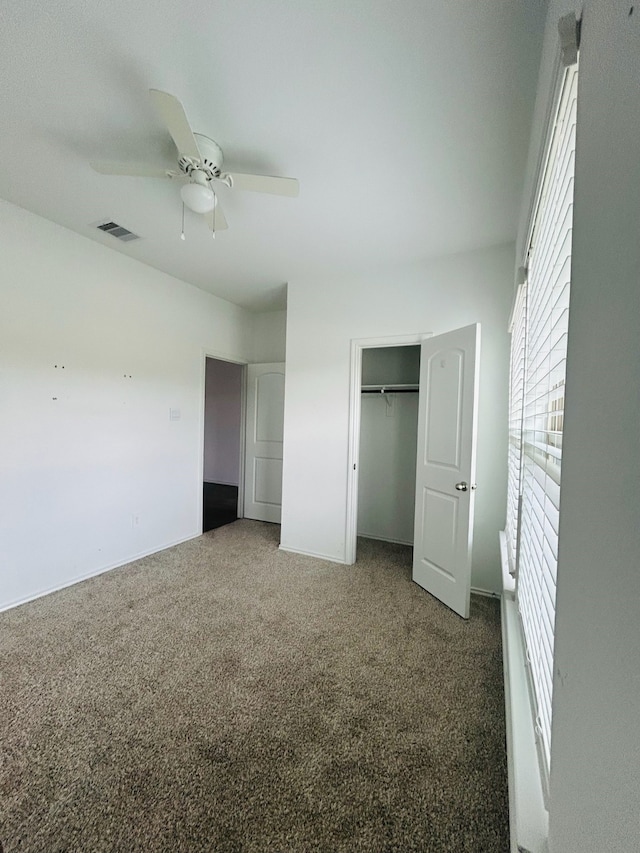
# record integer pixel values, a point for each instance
(200, 161)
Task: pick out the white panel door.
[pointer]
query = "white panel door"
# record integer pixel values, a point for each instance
(265, 425)
(445, 468)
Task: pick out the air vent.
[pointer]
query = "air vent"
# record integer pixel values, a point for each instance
(118, 231)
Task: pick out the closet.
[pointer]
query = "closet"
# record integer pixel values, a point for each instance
(388, 439)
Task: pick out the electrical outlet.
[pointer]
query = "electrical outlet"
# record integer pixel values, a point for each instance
(135, 519)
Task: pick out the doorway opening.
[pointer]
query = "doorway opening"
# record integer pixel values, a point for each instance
(388, 441)
(223, 445)
(444, 453)
(385, 381)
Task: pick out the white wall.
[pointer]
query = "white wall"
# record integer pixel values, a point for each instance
(595, 750)
(95, 349)
(391, 365)
(269, 337)
(322, 318)
(222, 421)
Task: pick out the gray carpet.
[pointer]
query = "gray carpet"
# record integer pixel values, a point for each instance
(227, 696)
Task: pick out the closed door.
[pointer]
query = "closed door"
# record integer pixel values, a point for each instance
(445, 470)
(264, 442)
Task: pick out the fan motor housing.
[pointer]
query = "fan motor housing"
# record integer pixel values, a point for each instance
(212, 158)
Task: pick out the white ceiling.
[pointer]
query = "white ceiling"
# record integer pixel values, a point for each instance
(406, 122)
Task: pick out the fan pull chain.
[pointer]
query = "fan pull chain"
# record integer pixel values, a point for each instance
(213, 219)
(182, 237)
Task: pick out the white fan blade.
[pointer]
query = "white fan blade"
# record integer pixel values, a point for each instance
(219, 221)
(265, 184)
(173, 115)
(134, 170)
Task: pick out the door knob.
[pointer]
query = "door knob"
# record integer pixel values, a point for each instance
(462, 487)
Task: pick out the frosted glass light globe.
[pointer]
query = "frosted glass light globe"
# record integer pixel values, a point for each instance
(199, 198)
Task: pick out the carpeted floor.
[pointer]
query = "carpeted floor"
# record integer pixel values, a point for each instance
(227, 696)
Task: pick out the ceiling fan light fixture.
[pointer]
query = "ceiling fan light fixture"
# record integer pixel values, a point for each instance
(198, 198)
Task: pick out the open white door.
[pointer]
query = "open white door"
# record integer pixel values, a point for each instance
(445, 468)
(265, 427)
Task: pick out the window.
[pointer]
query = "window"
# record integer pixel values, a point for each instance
(539, 328)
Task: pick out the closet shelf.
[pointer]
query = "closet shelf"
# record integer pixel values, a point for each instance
(389, 389)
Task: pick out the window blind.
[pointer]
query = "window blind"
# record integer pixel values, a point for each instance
(539, 347)
(517, 327)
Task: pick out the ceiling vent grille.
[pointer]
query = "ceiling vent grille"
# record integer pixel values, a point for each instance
(118, 231)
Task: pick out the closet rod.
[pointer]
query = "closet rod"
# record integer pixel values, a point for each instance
(390, 389)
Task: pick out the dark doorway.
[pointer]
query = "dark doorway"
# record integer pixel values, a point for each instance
(219, 505)
(222, 433)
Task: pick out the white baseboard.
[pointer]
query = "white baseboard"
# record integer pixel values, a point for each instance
(94, 573)
(385, 539)
(318, 556)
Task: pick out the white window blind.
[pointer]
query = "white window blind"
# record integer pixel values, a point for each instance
(538, 358)
(517, 327)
